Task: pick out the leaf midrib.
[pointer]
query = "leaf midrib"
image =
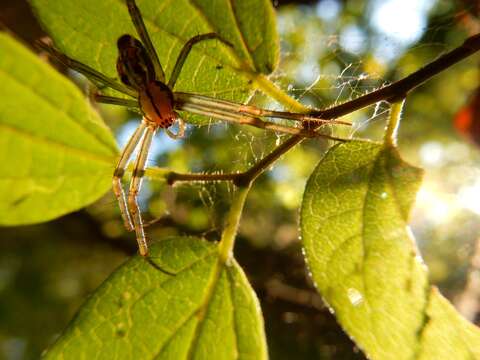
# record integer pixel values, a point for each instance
(204, 307)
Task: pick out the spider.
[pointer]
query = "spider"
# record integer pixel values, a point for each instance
(143, 79)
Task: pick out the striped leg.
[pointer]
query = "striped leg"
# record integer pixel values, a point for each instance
(99, 98)
(245, 119)
(87, 71)
(187, 99)
(139, 24)
(186, 50)
(120, 171)
(135, 185)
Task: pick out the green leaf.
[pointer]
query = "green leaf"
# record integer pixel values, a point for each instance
(364, 261)
(207, 310)
(57, 155)
(87, 30)
(446, 335)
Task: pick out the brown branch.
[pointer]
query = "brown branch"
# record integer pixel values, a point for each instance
(173, 177)
(391, 93)
(399, 89)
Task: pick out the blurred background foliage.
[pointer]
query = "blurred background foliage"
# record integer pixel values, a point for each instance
(332, 51)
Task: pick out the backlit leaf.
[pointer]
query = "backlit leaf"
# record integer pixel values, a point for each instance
(207, 310)
(364, 261)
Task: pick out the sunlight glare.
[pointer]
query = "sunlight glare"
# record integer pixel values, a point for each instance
(469, 197)
(433, 204)
(401, 20)
(353, 39)
(432, 153)
(399, 23)
(328, 9)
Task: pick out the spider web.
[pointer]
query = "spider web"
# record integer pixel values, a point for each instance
(319, 73)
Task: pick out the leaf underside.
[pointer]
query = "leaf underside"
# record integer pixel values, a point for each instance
(205, 311)
(87, 30)
(364, 262)
(56, 153)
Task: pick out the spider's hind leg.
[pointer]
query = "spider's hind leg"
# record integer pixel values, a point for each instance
(92, 74)
(95, 96)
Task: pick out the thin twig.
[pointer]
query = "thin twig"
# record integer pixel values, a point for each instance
(391, 93)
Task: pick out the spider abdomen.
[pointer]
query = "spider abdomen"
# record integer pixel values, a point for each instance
(156, 103)
(133, 64)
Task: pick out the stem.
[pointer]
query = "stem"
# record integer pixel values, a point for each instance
(268, 160)
(233, 218)
(269, 88)
(173, 177)
(158, 174)
(393, 123)
(239, 179)
(393, 93)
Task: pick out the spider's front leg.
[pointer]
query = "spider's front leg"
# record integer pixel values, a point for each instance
(139, 24)
(187, 47)
(120, 171)
(136, 184)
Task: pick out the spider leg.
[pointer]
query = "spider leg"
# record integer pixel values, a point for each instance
(86, 70)
(230, 106)
(245, 119)
(186, 50)
(135, 185)
(139, 24)
(115, 100)
(120, 171)
(181, 130)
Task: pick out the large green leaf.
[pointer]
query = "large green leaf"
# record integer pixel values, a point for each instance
(56, 154)
(364, 261)
(207, 310)
(87, 30)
